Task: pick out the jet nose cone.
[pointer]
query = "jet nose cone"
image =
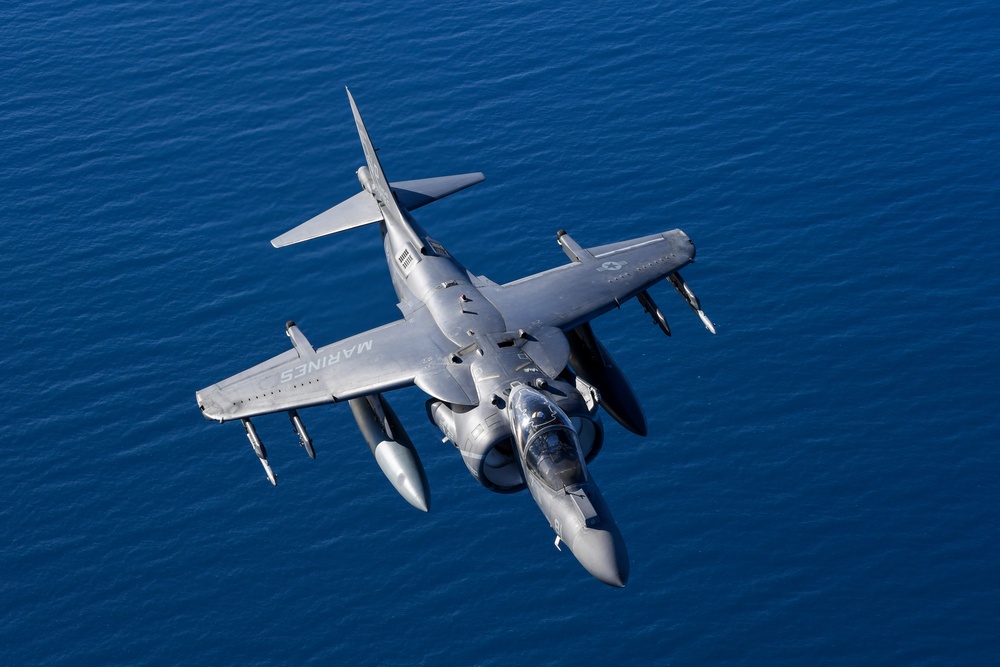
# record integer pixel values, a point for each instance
(603, 554)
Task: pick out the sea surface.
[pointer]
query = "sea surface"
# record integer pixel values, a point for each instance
(821, 480)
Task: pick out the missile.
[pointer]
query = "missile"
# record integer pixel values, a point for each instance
(595, 365)
(650, 307)
(258, 448)
(300, 429)
(395, 454)
(685, 291)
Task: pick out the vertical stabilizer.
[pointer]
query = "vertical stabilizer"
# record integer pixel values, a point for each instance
(380, 184)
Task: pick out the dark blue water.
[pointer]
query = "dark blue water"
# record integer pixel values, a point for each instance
(820, 480)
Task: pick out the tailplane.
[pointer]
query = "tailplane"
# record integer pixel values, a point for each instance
(379, 200)
(359, 210)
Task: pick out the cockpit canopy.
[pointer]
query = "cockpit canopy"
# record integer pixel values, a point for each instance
(549, 446)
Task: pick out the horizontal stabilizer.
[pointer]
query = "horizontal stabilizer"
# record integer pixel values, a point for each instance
(359, 210)
(414, 194)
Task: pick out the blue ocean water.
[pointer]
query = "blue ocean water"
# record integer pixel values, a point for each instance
(820, 480)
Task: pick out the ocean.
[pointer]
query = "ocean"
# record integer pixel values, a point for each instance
(819, 482)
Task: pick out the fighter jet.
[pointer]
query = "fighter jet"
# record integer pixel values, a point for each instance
(515, 376)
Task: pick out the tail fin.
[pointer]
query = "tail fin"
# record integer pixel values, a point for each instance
(380, 184)
(379, 200)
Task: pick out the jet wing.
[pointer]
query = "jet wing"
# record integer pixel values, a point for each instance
(596, 281)
(409, 351)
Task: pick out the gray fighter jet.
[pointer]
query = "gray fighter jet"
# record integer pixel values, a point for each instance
(514, 372)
